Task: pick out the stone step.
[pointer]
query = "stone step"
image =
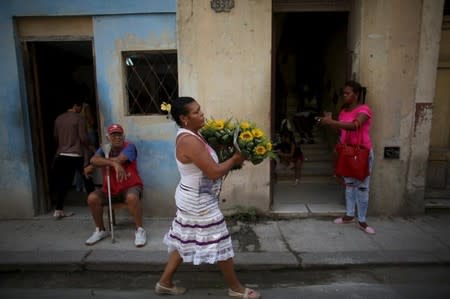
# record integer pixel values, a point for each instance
(437, 193)
(308, 169)
(434, 205)
(315, 146)
(317, 168)
(317, 157)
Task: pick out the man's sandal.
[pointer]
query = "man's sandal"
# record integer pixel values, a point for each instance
(248, 294)
(160, 289)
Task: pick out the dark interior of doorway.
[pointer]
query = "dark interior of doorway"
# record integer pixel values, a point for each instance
(311, 65)
(61, 69)
(311, 60)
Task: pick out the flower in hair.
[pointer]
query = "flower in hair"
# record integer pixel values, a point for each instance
(166, 107)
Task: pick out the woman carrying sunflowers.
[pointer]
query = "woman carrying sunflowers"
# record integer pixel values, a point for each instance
(199, 233)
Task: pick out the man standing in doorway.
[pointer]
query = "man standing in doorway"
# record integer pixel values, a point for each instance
(72, 142)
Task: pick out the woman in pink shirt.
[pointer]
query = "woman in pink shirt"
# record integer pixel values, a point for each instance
(354, 115)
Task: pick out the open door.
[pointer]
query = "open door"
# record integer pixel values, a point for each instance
(52, 70)
(312, 59)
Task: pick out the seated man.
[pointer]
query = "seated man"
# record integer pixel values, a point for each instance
(126, 185)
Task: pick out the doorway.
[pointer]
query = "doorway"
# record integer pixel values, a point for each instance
(437, 191)
(310, 67)
(56, 70)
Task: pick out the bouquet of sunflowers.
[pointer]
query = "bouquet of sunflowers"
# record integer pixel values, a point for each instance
(252, 142)
(219, 134)
(227, 136)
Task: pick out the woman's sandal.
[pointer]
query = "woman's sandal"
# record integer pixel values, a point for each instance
(367, 229)
(160, 289)
(248, 294)
(344, 220)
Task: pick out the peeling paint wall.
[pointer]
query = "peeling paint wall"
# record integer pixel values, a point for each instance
(224, 62)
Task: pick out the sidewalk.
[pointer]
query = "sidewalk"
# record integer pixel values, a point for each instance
(42, 243)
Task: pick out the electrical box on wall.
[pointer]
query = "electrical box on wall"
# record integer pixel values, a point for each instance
(392, 152)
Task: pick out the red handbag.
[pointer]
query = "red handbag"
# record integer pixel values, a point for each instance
(352, 160)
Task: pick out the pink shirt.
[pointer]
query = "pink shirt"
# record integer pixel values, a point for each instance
(351, 137)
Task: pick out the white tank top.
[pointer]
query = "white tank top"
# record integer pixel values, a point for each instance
(196, 194)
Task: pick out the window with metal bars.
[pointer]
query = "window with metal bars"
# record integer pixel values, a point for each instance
(152, 78)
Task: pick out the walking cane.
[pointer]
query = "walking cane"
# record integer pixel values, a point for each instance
(107, 149)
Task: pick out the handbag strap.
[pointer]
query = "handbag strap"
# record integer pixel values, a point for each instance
(357, 131)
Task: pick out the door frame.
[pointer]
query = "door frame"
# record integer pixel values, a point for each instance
(289, 6)
(38, 146)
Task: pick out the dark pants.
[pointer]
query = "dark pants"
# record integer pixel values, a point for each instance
(64, 170)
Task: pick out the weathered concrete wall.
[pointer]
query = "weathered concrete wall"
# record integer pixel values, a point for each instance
(398, 55)
(224, 62)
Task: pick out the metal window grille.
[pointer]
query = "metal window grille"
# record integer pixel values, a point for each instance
(152, 78)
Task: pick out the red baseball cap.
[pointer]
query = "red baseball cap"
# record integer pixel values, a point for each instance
(115, 128)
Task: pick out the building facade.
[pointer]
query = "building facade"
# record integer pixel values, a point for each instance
(225, 57)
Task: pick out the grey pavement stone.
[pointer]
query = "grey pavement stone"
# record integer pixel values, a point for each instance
(442, 255)
(409, 257)
(306, 192)
(338, 259)
(269, 237)
(312, 235)
(437, 226)
(43, 243)
(325, 260)
(265, 260)
(48, 234)
(37, 260)
(326, 209)
(400, 234)
(291, 208)
(126, 260)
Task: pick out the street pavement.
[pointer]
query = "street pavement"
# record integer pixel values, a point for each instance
(336, 291)
(44, 244)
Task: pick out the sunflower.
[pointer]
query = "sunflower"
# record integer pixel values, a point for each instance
(269, 146)
(245, 125)
(209, 123)
(218, 124)
(246, 136)
(257, 133)
(230, 125)
(260, 150)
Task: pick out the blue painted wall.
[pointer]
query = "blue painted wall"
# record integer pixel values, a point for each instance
(16, 181)
(153, 135)
(17, 173)
(85, 7)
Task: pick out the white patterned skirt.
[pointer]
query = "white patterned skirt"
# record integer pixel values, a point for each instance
(200, 239)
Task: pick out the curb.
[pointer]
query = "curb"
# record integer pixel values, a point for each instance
(132, 261)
